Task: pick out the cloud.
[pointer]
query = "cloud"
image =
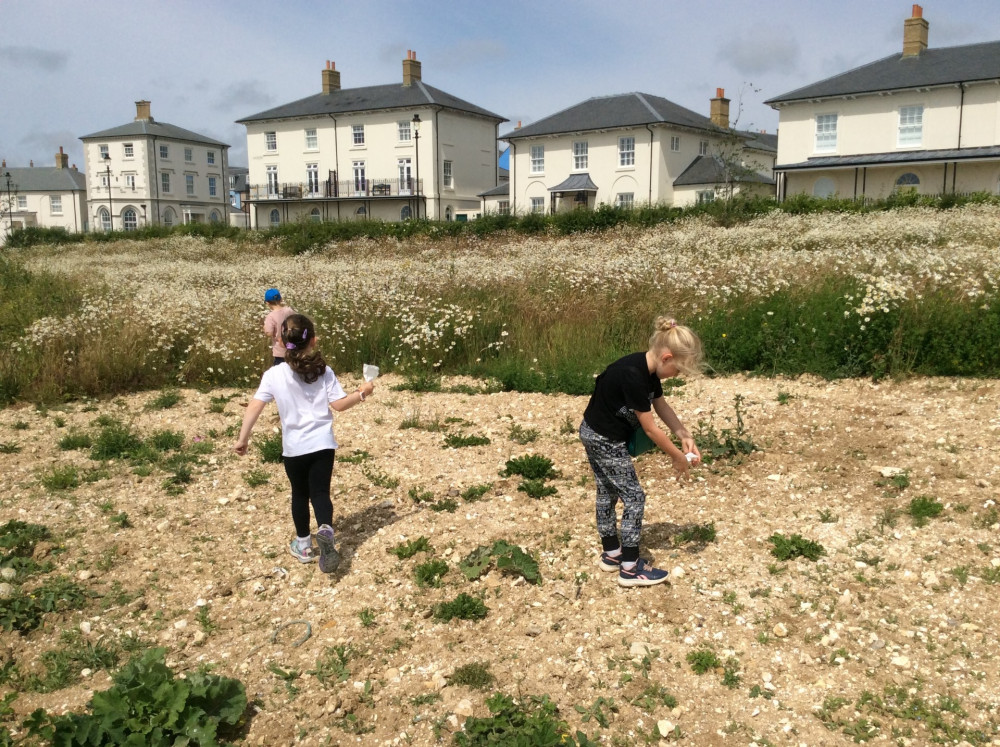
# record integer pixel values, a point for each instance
(28, 58)
(761, 50)
(245, 95)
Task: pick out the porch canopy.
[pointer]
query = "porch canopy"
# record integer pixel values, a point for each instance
(575, 183)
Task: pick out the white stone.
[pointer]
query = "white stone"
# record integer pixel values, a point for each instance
(678, 571)
(463, 707)
(181, 624)
(639, 649)
(84, 575)
(780, 630)
(85, 627)
(901, 661)
(8, 574)
(664, 727)
(6, 590)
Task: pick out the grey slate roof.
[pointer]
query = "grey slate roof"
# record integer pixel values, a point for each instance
(43, 179)
(607, 112)
(370, 98)
(499, 190)
(575, 183)
(932, 67)
(710, 170)
(152, 128)
(761, 140)
(990, 152)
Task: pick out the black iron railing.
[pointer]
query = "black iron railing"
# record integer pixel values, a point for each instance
(343, 188)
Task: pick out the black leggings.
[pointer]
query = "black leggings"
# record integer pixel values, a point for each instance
(310, 476)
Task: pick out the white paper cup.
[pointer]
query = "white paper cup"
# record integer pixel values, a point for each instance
(370, 372)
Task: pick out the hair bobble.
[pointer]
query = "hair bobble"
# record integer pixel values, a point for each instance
(305, 334)
(289, 346)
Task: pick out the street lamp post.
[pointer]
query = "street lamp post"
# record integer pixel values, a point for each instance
(111, 207)
(416, 148)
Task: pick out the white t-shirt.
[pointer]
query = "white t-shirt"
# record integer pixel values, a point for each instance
(306, 420)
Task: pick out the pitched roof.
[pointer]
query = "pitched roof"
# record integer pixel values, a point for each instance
(760, 140)
(932, 67)
(575, 183)
(607, 112)
(711, 170)
(45, 179)
(152, 128)
(988, 152)
(370, 98)
(497, 191)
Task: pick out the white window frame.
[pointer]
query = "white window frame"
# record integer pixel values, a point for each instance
(702, 147)
(826, 133)
(360, 178)
(272, 181)
(675, 143)
(55, 204)
(103, 150)
(705, 195)
(314, 215)
(130, 220)
(271, 141)
(168, 217)
(189, 155)
(210, 157)
(128, 149)
(358, 135)
(407, 184)
(626, 151)
(625, 200)
(503, 207)
(581, 155)
(312, 139)
(312, 178)
(189, 185)
(105, 217)
(22, 202)
(911, 126)
(538, 205)
(212, 190)
(130, 181)
(403, 131)
(274, 217)
(164, 152)
(165, 181)
(105, 180)
(537, 159)
(447, 177)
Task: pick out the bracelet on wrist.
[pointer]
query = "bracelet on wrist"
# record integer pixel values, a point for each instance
(361, 395)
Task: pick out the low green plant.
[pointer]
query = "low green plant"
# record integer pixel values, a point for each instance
(355, 457)
(445, 504)
(430, 573)
(9, 447)
(521, 435)
(987, 519)
(121, 520)
(331, 666)
(61, 477)
(537, 488)
(703, 660)
(730, 673)
(20, 425)
(795, 546)
(60, 667)
(166, 440)
(368, 616)
(18, 539)
(475, 675)
(508, 558)
(379, 478)
(784, 398)
(419, 495)
(475, 492)
(596, 712)
(922, 508)
(530, 467)
(256, 477)
(270, 448)
(699, 534)
(115, 440)
(566, 428)
(408, 549)
(731, 443)
(23, 610)
(164, 400)
(896, 483)
(653, 697)
(420, 382)
(826, 516)
(459, 440)
(75, 440)
(532, 720)
(218, 404)
(462, 607)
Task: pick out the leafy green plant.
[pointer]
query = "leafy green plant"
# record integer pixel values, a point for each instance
(20, 425)
(730, 673)
(270, 448)
(531, 467)
(18, 539)
(121, 520)
(379, 478)
(703, 660)
(115, 440)
(531, 720)
(521, 435)
(509, 559)
(256, 477)
(23, 610)
(596, 711)
(331, 666)
(419, 495)
(463, 607)
(475, 492)
(922, 508)
(355, 457)
(367, 616)
(699, 534)
(164, 400)
(459, 440)
(430, 573)
(475, 675)
(445, 504)
(795, 546)
(408, 549)
(166, 440)
(420, 382)
(61, 477)
(728, 443)
(9, 447)
(827, 517)
(654, 696)
(784, 398)
(537, 488)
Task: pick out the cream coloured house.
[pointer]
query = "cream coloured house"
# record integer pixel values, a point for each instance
(43, 196)
(149, 172)
(921, 119)
(389, 152)
(633, 149)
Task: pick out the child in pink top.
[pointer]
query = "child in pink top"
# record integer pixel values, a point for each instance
(279, 312)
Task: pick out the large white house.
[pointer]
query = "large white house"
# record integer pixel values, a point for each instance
(44, 196)
(921, 119)
(391, 152)
(631, 149)
(149, 172)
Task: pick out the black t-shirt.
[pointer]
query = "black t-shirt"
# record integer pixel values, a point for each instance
(624, 387)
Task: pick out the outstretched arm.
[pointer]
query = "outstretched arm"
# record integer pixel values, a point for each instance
(662, 440)
(344, 403)
(668, 416)
(254, 409)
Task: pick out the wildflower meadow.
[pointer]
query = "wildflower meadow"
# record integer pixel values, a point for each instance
(892, 293)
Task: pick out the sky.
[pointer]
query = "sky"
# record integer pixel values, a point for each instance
(69, 68)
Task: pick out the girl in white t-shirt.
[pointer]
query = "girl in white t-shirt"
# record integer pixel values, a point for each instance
(305, 390)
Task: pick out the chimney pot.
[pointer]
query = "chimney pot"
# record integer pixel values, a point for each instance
(142, 112)
(62, 159)
(719, 109)
(918, 12)
(720, 93)
(31, 164)
(331, 78)
(411, 68)
(915, 33)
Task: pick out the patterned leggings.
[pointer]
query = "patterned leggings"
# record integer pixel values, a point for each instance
(615, 477)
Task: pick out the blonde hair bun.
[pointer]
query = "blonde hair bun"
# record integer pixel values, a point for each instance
(679, 340)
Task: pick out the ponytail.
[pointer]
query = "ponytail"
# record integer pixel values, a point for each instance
(679, 340)
(307, 361)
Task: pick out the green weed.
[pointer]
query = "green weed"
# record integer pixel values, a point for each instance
(430, 573)
(462, 607)
(475, 675)
(408, 549)
(795, 546)
(922, 508)
(458, 441)
(475, 492)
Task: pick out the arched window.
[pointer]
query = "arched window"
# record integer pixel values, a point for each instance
(824, 187)
(105, 218)
(447, 213)
(169, 217)
(129, 220)
(909, 180)
(405, 213)
(214, 217)
(275, 217)
(314, 215)
(361, 212)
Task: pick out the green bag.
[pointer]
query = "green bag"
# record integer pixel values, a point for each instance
(639, 442)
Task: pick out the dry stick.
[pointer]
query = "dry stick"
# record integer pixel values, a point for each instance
(274, 636)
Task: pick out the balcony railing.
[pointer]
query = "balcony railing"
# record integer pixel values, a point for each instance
(343, 189)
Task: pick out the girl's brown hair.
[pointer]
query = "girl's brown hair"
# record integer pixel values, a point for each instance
(297, 331)
(679, 340)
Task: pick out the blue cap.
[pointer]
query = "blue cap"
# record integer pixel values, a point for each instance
(272, 295)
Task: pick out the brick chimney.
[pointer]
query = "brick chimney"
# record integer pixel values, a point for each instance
(411, 68)
(142, 112)
(62, 159)
(719, 112)
(915, 33)
(331, 78)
